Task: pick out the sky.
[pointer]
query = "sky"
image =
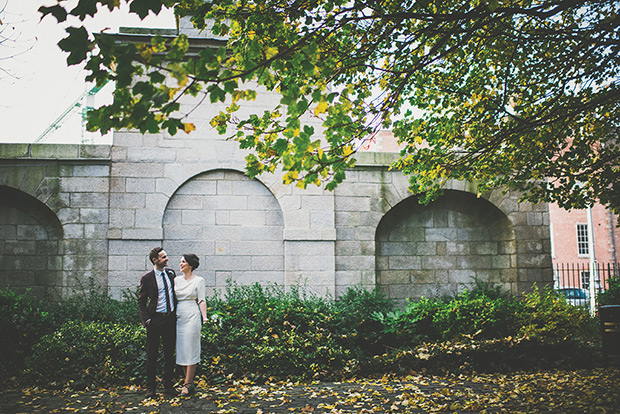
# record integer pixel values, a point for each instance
(36, 85)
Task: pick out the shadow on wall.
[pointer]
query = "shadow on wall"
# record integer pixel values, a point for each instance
(435, 250)
(30, 244)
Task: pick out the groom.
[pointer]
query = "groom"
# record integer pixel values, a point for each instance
(157, 305)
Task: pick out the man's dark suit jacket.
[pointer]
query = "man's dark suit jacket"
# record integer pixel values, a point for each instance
(147, 296)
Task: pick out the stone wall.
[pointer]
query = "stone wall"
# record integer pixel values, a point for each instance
(385, 238)
(53, 217)
(189, 194)
(71, 214)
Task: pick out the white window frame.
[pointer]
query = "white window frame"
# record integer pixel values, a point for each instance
(583, 247)
(584, 275)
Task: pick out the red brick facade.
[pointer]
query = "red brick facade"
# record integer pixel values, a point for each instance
(564, 234)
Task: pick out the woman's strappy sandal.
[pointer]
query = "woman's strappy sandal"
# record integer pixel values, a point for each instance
(190, 390)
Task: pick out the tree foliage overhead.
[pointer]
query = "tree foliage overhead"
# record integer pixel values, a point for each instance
(519, 94)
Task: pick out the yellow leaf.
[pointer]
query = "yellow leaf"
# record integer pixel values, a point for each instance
(271, 52)
(289, 177)
(146, 54)
(320, 108)
(188, 127)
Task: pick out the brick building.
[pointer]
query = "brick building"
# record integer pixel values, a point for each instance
(570, 250)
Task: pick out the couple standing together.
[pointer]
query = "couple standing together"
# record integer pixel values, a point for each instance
(172, 309)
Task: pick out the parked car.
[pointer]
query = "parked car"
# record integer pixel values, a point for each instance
(575, 296)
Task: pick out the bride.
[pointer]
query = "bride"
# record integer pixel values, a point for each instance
(191, 307)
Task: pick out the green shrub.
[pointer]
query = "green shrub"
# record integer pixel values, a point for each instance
(549, 318)
(477, 314)
(268, 332)
(276, 332)
(612, 295)
(89, 353)
(353, 322)
(412, 325)
(484, 312)
(24, 320)
(489, 355)
(486, 330)
(22, 323)
(94, 305)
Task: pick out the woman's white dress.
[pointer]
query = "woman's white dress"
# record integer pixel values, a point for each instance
(189, 294)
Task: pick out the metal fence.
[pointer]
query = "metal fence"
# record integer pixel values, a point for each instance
(573, 279)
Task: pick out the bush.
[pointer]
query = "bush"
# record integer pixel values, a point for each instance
(273, 332)
(484, 312)
(24, 320)
(486, 330)
(94, 305)
(22, 323)
(357, 328)
(549, 318)
(612, 295)
(82, 354)
(267, 332)
(490, 355)
(477, 315)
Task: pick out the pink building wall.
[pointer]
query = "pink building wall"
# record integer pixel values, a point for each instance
(564, 234)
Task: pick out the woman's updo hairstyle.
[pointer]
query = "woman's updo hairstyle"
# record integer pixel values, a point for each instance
(192, 260)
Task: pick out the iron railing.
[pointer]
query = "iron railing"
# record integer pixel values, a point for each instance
(574, 278)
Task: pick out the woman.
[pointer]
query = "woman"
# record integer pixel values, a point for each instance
(191, 307)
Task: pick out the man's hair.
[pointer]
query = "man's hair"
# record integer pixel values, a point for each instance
(154, 254)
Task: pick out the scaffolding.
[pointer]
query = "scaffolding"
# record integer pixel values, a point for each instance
(83, 104)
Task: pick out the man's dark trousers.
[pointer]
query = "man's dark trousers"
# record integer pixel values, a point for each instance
(161, 329)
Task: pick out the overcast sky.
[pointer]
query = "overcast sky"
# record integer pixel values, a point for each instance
(36, 85)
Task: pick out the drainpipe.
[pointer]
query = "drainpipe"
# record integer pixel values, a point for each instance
(593, 264)
(612, 239)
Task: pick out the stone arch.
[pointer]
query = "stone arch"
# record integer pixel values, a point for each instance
(439, 248)
(31, 245)
(398, 190)
(171, 186)
(41, 182)
(234, 223)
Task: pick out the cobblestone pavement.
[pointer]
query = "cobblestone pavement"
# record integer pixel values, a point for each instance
(558, 392)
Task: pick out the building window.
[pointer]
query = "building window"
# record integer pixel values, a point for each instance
(585, 280)
(582, 240)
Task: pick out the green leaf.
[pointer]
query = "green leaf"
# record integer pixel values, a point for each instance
(143, 7)
(57, 11)
(77, 44)
(230, 86)
(217, 94)
(476, 91)
(157, 77)
(178, 48)
(85, 8)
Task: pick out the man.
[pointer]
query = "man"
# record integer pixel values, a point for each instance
(157, 305)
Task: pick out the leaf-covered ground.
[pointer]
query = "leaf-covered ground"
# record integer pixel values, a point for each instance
(583, 391)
